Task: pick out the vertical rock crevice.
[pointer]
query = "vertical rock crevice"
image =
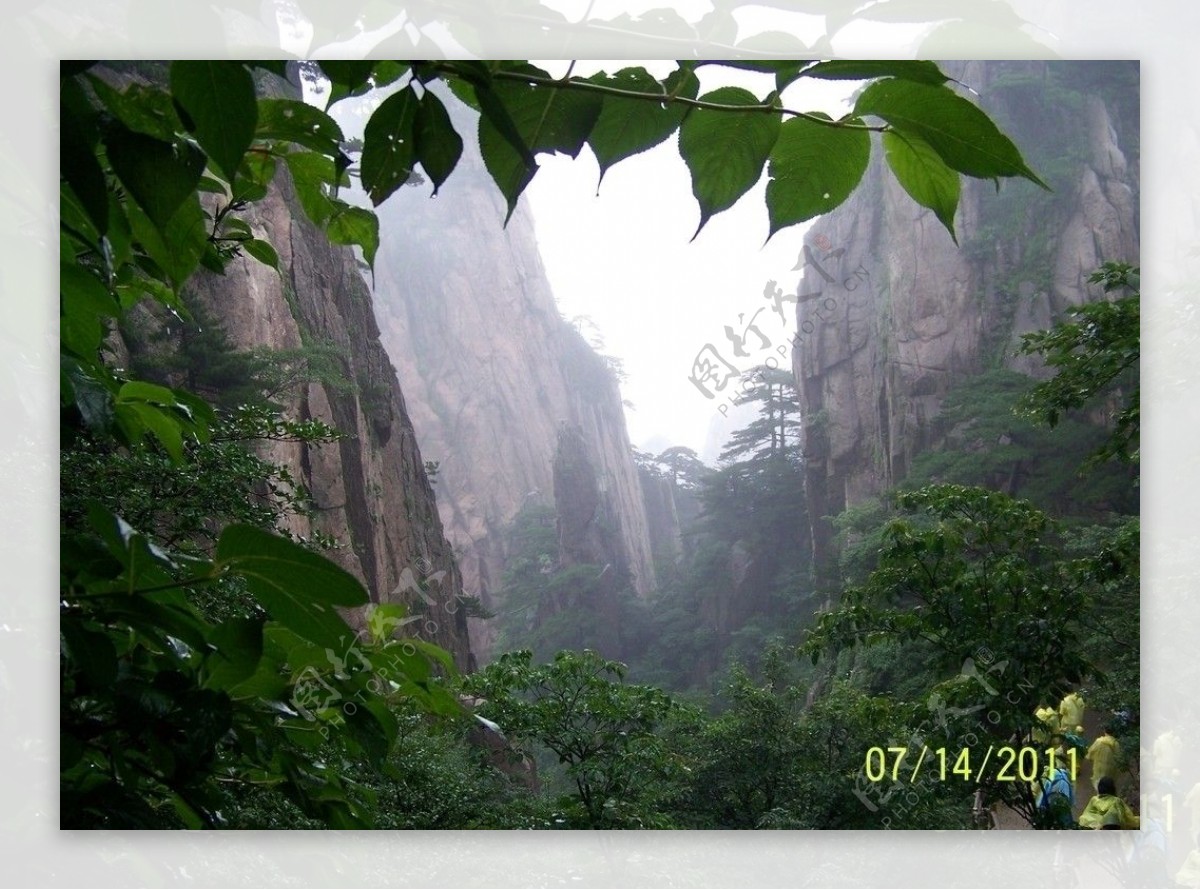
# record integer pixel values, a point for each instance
(493, 373)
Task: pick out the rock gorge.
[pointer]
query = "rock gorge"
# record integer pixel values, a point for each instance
(903, 312)
(496, 379)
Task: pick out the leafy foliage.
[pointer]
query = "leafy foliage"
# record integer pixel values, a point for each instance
(600, 728)
(980, 576)
(990, 444)
(202, 655)
(1094, 353)
(161, 705)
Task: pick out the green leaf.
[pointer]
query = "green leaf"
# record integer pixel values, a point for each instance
(388, 145)
(78, 164)
(725, 150)
(85, 303)
(850, 69)
(237, 646)
(267, 683)
(373, 729)
(136, 416)
(627, 127)
(346, 77)
(545, 119)
(923, 175)
(218, 97)
(176, 248)
(434, 653)
(438, 145)
(142, 407)
(464, 90)
(146, 110)
(813, 169)
(290, 121)
(262, 251)
(355, 225)
(91, 651)
(298, 587)
(962, 135)
(311, 172)
(159, 175)
(212, 186)
(161, 617)
(387, 71)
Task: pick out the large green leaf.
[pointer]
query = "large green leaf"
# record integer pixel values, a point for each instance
(169, 414)
(388, 145)
(547, 119)
(354, 225)
(923, 175)
(298, 122)
(311, 173)
(347, 77)
(175, 248)
(298, 587)
(814, 168)
(262, 251)
(159, 175)
(90, 650)
(725, 150)
(78, 164)
(237, 645)
(85, 303)
(143, 109)
(962, 135)
(438, 145)
(629, 126)
(218, 98)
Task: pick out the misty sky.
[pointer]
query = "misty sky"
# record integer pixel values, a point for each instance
(623, 259)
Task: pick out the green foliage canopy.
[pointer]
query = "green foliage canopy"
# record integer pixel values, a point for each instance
(160, 702)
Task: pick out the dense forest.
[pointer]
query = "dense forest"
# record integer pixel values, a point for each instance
(246, 644)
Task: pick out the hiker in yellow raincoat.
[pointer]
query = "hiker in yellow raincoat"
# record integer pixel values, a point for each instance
(1070, 713)
(1047, 725)
(1104, 754)
(1106, 810)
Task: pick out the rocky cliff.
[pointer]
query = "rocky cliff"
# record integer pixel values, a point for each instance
(370, 489)
(493, 373)
(903, 311)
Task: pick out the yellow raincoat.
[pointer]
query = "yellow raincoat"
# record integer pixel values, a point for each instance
(1103, 754)
(1108, 809)
(1070, 713)
(1048, 720)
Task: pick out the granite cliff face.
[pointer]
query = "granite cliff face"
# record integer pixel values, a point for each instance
(493, 374)
(903, 311)
(370, 489)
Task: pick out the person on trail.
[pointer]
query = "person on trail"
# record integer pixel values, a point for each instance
(1047, 725)
(1106, 810)
(1056, 796)
(1105, 754)
(1070, 713)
